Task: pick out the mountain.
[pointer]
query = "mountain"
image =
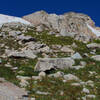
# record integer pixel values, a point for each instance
(66, 24)
(49, 57)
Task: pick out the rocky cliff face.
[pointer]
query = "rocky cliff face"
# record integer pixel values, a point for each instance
(68, 24)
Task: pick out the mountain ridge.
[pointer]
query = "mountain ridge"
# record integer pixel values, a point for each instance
(65, 23)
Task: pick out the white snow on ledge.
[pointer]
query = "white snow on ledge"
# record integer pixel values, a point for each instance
(8, 19)
(96, 32)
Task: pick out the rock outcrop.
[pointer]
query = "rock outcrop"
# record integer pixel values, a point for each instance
(68, 24)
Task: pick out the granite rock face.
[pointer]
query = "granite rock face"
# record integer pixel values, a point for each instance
(68, 24)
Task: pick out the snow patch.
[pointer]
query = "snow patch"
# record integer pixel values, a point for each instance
(9, 19)
(96, 32)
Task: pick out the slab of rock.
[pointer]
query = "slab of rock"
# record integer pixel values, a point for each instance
(9, 91)
(45, 64)
(23, 54)
(93, 45)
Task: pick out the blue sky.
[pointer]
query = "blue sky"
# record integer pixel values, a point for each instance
(24, 7)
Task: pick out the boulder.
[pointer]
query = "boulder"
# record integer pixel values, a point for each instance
(25, 38)
(93, 45)
(57, 75)
(70, 77)
(66, 49)
(14, 33)
(45, 64)
(23, 80)
(42, 74)
(76, 56)
(96, 57)
(83, 63)
(22, 54)
(85, 90)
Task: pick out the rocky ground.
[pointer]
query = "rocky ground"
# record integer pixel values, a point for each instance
(48, 66)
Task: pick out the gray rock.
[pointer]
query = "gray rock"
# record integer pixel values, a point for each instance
(23, 54)
(76, 56)
(25, 38)
(90, 83)
(44, 64)
(82, 63)
(45, 49)
(23, 80)
(32, 99)
(69, 77)
(83, 37)
(51, 33)
(67, 50)
(56, 47)
(0, 61)
(77, 67)
(42, 74)
(14, 33)
(2, 79)
(96, 57)
(42, 93)
(38, 47)
(75, 84)
(85, 90)
(57, 75)
(64, 32)
(40, 28)
(93, 45)
(36, 77)
(90, 96)
(74, 45)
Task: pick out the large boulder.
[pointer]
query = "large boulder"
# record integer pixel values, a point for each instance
(45, 64)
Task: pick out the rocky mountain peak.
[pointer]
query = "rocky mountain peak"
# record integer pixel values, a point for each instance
(67, 24)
